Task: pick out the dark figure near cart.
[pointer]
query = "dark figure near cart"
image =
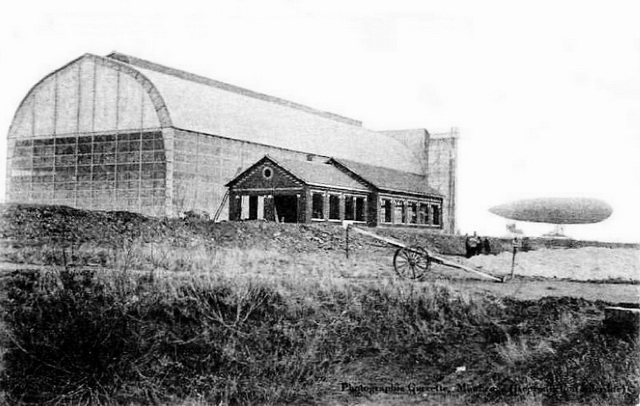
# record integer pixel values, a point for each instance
(486, 246)
(473, 245)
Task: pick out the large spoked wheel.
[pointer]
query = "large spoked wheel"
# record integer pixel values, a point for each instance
(411, 262)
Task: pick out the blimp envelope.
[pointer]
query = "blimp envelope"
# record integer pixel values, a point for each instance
(555, 210)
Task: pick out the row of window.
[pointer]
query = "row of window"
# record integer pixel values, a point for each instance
(409, 212)
(102, 200)
(22, 158)
(88, 187)
(98, 203)
(136, 158)
(352, 206)
(136, 136)
(103, 168)
(88, 148)
(95, 177)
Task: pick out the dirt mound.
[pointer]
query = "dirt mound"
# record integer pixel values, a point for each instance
(61, 225)
(65, 226)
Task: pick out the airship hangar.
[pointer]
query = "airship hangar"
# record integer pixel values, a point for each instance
(117, 132)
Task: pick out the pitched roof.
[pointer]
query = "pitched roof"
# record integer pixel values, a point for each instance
(357, 176)
(389, 180)
(320, 174)
(311, 173)
(203, 105)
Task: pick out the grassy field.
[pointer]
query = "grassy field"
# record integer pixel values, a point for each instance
(113, 308)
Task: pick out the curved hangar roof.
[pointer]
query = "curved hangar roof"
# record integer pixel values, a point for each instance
(83, 96)
(203, 105)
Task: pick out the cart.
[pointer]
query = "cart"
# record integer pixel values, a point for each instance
(414, 262)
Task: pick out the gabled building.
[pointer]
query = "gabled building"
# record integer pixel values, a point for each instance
(331, 190)
(117, 132)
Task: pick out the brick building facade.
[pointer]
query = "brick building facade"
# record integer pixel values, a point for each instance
(295, 191)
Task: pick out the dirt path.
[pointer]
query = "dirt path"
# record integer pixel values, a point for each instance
(523, 289)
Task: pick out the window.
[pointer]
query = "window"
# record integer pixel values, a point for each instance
(423, 215)
(334, 207)
(354, 208)
(400, 211)
(385, 211)
(317, 209)
(349, 208)
(267, 173)
(359, 208)
(436, 214)
(413, 217)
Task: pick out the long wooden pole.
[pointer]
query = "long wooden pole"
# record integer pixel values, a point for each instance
(513, 258)
(391, 241)
(347, 242)
(435, 257)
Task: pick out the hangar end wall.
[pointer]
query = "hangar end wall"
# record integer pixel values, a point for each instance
(89, 135)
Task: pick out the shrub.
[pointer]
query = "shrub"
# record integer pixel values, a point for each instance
(76, 337)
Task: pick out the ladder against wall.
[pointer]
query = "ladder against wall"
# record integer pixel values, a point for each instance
(222, 204)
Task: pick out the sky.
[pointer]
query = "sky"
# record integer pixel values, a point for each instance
(545, 94)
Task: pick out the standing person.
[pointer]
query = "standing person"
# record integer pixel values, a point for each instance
(486, 246)
(474, 244)
(516, 245)
(478, 243)
(467, 246)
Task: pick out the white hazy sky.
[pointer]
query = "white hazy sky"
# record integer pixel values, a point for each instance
(546, 94)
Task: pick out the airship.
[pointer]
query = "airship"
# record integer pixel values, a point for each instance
(555, 210)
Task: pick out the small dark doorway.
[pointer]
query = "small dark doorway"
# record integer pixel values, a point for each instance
(253, 207)
(287, 208)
